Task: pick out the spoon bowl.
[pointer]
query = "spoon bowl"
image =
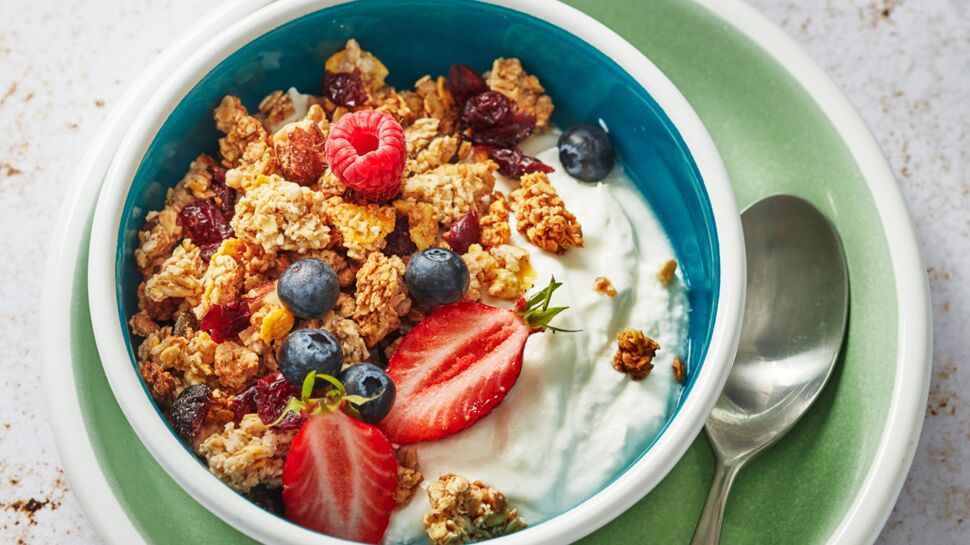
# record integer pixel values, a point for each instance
(795, 316)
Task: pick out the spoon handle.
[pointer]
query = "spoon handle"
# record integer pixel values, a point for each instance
(708, 531)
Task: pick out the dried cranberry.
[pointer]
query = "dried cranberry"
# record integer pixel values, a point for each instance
(224, 322)
(344, 89)
(218, 173)
(189, 411)
(464, 232)
(225, 195)
(486, 110)
(244, 403)
(515, 129)
(399, 242)
(207, 224)
(464, 83)
(272, 392)
(512, 162)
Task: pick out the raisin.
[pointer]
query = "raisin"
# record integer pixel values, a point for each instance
(399, 241)
(189, 411)
(464, 232)
(486, 110)
(207, 225)
(224, 322)
(513, 163)
(272, 392)
(344, 89)
(517, 128)
(464, 83)
(304, 158)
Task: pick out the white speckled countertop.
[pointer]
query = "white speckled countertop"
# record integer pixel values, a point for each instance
(905, 64)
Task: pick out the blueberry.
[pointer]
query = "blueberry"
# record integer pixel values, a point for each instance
(586, 152)
(309, 288)
(436, 277)
(307, 350)
(369, 380)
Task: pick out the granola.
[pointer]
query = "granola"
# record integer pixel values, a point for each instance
(542, 217)
(382, 297)
(503, 272)
(463, 511)
(495, 223)
(408, 476)
(452, 189)
(281, 215)
(634, 353)
(603, 285)
(666, 273)
(246, 454)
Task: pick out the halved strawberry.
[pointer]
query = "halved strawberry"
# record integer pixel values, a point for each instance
(339, 478)
(459, 363)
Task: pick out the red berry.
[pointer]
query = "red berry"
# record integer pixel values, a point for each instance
(224, 322)
(464, 232)
(344, 89)
(367, 151)
(512, 162)
(339, 478)
(464, 83)
(267, 398)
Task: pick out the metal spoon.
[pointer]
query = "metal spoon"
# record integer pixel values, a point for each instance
(795, 316)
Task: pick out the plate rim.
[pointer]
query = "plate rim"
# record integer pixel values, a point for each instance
(899, 439)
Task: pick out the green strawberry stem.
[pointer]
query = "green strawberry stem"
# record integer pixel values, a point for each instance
(537, 314)
(331, 401)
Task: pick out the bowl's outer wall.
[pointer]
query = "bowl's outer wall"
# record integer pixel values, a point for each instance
(586, 86)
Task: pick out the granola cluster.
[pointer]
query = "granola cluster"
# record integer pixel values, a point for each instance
(231, 226)
(634, 353)
(463, 511)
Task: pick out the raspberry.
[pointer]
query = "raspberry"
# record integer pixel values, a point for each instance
(367, 151)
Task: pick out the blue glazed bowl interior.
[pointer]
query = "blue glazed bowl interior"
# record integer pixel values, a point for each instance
(417, 37)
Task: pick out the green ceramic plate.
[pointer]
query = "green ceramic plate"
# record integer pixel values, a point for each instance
(781, 127)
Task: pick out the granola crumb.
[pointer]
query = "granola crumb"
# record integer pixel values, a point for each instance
(240, 128)
(363, 228)
(281, 215)
(666, 273)
(542, 217)
(235, 365)
(247, 454)
(603, 285)
(634, 354)
(452, 189)
(142, 324)
(463, 511)
(680, 370)
(160, 382)
(494, 225)
(382, 297)
(504, 272)
(408, 476)
(276, 108)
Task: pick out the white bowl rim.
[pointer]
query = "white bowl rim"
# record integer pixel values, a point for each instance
(261, 525)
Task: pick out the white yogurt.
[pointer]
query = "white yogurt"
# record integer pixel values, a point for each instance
(572, 422)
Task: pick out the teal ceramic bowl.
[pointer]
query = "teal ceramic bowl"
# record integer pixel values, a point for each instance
(592, 75)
